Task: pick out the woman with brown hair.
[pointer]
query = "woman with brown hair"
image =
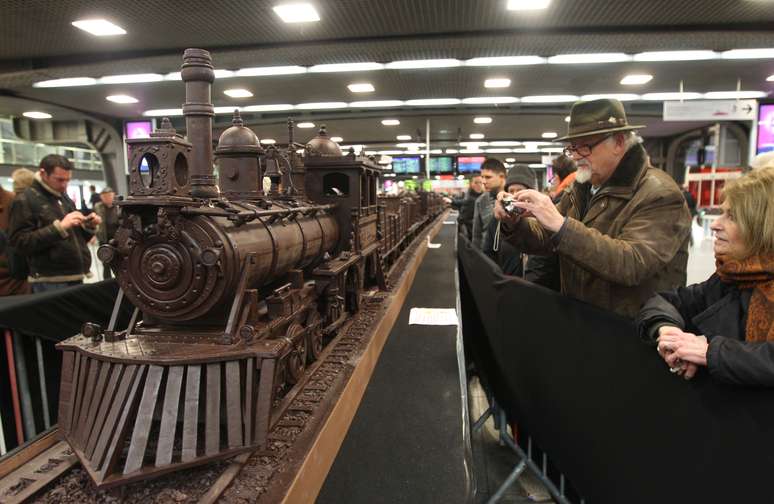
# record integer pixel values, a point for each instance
(727, 322)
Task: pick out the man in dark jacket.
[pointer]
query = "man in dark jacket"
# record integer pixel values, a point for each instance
(46, 227)
(621, 232)
(493, 175)
(467, 204)
(108, 212)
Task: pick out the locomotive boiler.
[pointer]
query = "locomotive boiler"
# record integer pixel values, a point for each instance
(236, 288)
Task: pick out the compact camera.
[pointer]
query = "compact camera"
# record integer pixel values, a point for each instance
(509, 205)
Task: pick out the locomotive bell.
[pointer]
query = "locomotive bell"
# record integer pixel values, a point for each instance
(322, 145)
(237, 159)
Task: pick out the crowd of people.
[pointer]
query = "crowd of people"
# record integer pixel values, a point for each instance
(43, 236)
(613, 231)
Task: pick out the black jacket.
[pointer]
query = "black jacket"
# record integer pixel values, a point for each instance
(53, 254)
(718, 311)
(466, 207)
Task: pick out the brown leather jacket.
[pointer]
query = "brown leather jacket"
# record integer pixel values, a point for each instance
(621, 245)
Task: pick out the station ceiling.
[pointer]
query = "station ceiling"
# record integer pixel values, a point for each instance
(38, 43)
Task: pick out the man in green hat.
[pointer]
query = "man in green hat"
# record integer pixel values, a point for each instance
(621, 233)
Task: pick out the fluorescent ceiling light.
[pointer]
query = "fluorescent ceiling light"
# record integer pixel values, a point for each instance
(403, 137)
(376, 104)
(268, 141)
(504, 143)
(229, 109)
(526, 150)
(321, 105)
(99, 27)
(173, 76)
(770, 78)
(571, 59)
(163, 112)
(122, 98)
(536, 165)
(37, 115)
(346, 67)
(497, 83)
(131, 78)
(390, 122)
(238, 93)
(436, 151)
(451, 151)
(552, 150)
(476, 136)
(471, 151)
(566, 119)
(223, 74)
(337, 139)
(671, 96)
(675, 55)
(549, 99)
(274, 107)
(506, 61)
(498, 151)
(272, 70)
(522, 5)
(472, 144)
(362, 87)
(611, 96)
(296, 12)
(69, 82)
(490, 100)
(510, 160)
(549, 134)
(482, 120)
(433, 102)
(390, 152)
(410, 145)
(305, 125)
(732, 95)
(636, 79)
(428, 63)
(748, 53)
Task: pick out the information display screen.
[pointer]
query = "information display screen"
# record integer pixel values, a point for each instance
(765, 128)
(138, 129)
(469, 164)
(441, 165)
(409, 165)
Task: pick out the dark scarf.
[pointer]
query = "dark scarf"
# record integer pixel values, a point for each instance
(757, 273)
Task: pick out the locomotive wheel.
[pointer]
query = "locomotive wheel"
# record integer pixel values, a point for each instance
(296, 360)
(314, 337)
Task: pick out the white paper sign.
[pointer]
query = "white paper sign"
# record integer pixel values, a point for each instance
(710, 110)
(433, 316)
(432, 245)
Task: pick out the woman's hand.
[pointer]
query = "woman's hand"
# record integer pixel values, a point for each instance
(682, 351)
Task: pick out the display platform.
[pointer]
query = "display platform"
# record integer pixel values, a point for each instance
(405, 444)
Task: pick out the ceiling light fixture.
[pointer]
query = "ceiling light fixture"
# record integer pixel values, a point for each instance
(99, 27)
(163, 112)
(510, 160)
(346, 67)
(272, 70)
(675, 55)
(226, 110)
(131, 78)
(430, 102)
(476, 136)
(748, 53)
(390, 122)
(337, 139)
(37, 115)
(472, 144)
(770, 78)
(305, 125)
(611, 96)
(549, 99)
(274, 107)
(490, 100)
(376, 104)
(428, 63)
(497, 83)
(566, 119)
(220, 73)
(498, 151)
(527, 5)
(296, 12)
(636, 79)
(506, 61)
(451, 151)
(238, 93)
(122, 99)
(482, 120)
(403, 138)
(573, 59)
(504, 143)
(671, 96)
(734, 95)
(549, 134)
(321, 105)
(361, 87)
(69, 82)
(268, 141)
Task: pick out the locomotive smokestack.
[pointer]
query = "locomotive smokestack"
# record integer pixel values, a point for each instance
(198, 74)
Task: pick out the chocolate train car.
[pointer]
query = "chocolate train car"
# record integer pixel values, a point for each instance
(236, 290)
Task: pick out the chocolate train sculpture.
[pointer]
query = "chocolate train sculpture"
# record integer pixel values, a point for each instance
(236, 289)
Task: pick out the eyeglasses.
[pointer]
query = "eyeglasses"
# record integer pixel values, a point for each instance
(583, 150)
